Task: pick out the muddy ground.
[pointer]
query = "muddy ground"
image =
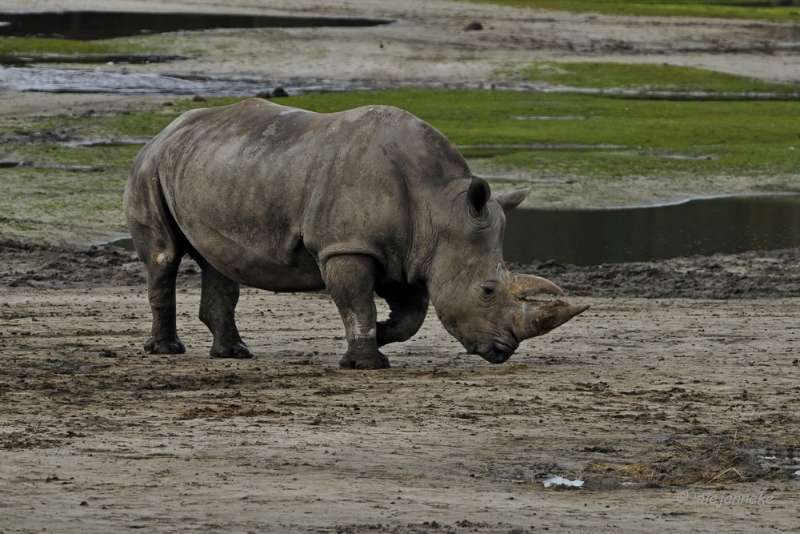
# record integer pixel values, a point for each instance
(658, 404)
(675, 398)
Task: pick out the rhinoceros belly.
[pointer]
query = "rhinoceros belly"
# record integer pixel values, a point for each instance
(259, 264)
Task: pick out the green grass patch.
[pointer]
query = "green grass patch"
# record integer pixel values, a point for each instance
(42, 45)
(495, 117)
(642, 76)
(40, 48)
(734, 9)
(39, 45)
(98, 157)
(603, 144)
(56, 206)
(617, 136)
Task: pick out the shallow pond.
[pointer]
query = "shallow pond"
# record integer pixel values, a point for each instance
(596, 236)
(702, 226)
(87, 25)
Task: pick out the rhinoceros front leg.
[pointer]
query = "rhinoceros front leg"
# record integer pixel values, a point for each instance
(218, 298)
(351, 282)
(408, 305)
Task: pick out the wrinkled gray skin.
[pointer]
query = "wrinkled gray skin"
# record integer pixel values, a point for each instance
(367, 200)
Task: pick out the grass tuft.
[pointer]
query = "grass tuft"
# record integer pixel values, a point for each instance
(732, 9)
(660, 77)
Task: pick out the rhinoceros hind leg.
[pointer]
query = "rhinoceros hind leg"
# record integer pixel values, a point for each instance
(409, 305)
(161, 293)
(351, 282)
(162, 270)
(219, 295)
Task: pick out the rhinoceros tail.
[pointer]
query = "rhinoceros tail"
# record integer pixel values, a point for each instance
(156, 236)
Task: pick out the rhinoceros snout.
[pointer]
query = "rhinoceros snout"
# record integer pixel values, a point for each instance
(495, 351)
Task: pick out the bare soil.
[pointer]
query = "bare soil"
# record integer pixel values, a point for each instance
(657, 404)
(674, 398)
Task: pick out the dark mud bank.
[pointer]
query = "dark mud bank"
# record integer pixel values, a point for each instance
(759, 274)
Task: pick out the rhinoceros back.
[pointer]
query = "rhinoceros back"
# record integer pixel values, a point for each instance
(267, 193)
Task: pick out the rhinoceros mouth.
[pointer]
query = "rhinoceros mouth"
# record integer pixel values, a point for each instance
(495, 351)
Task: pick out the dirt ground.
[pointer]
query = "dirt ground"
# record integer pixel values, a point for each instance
(674, 398)
(657, 404)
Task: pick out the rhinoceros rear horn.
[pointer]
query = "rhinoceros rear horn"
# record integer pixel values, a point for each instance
(478, 195)
(509, 201)
(527, 285)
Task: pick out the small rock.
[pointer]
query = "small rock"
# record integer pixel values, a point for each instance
(472, 26)
(84, 503)
(279, 92)
(167, 104)
(263, 94)
(198, 98)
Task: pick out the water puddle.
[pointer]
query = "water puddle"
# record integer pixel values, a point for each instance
(47, 165)
(785, 458)
(124, 141)
(767, 3)
(702, 226)
(597, 236)
(53, 80)
(670, 155)
(490, 151)
(88, 25)
(550, 118)
(125, 243)
(111, 80)
(109, 59)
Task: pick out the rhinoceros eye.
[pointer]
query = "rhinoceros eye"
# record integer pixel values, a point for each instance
(487, 290)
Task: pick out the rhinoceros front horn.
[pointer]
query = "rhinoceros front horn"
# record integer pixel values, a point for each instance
(528, 285)
(537, 320)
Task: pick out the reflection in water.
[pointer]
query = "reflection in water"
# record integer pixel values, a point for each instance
(703, 226)
(44, 79)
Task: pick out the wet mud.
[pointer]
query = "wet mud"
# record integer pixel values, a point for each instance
(621, 399)
(748, 275)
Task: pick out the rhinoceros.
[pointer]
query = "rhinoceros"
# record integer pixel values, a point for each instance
(367, 201)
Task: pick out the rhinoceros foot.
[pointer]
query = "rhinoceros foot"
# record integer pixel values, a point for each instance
(164, 346)
(236, 350)
(361, 360)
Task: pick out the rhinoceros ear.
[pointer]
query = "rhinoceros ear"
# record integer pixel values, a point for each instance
(509, 201)
(478, 195)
